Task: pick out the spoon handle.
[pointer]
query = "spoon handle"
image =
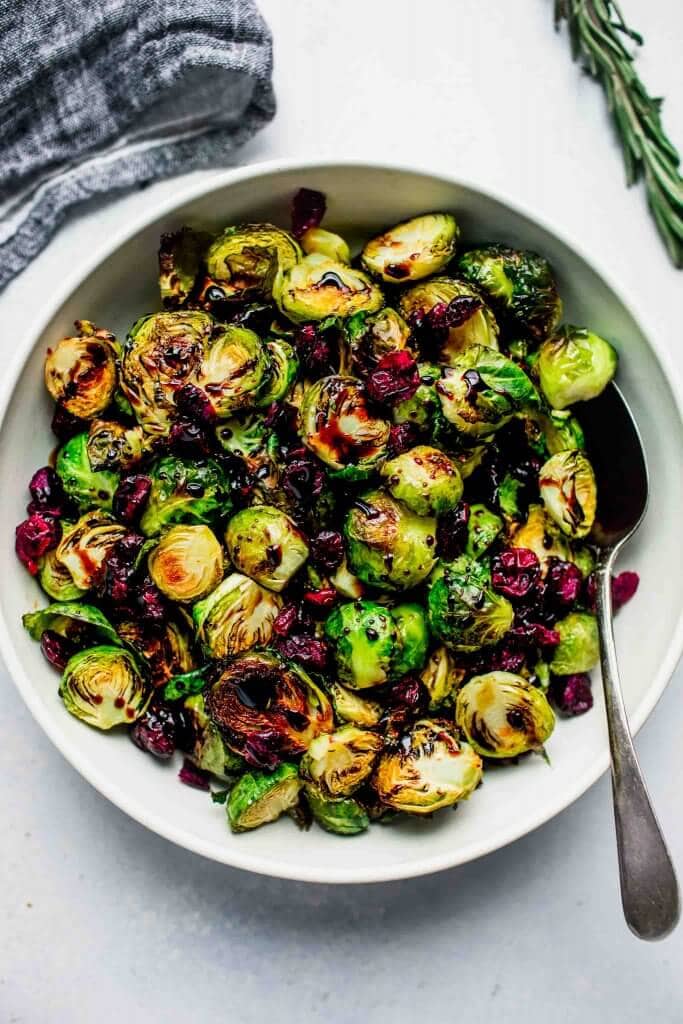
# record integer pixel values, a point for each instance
(649, 890)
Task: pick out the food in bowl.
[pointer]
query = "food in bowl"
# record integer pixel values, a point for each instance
(322, 523)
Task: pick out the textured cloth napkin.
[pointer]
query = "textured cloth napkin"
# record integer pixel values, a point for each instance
(97, 95)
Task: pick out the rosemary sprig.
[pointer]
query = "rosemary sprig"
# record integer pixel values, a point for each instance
(597, 31)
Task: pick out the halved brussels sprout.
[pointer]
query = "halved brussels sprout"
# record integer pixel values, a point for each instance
(342, 816)
(574, 366)
(368, 338)
(265, 544)
(473, 321)
(569, 492)
(261, 797)
(423, 410)
(388, 545)
(208, 750)
(237, 615)
(81, 373)
(337, 763)
(337, 425)
(71, 619)
(55, 578)
(244, 434)
(180, 257)
(482, 390)
(483, 526)
(349, 707)
(318, 287)
(243, 262)
(429, 769)
(111, 446)
(84, 485)
(540, 535)
(163, 352)
(167, 651)
(425, 479)
(519, 283)
(103, 687)
(267, 709)
(579, 646)
(464, 612)
(282, 368)
(441, 677)
(345, 583)
(326, 242)
(412, 639)
(187, 563)
(502, 715)
(84, 550)
(185, 491)
(234, 368)
(364, 635)
(413, 249)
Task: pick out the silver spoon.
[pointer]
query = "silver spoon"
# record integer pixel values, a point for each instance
(649, 890)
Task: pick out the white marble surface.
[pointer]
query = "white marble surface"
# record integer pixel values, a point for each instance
(103, 921)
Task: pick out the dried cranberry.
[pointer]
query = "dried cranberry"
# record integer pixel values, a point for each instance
(563, 582)
(515, 572)
(120, 568)
(34, 537)
(395, 378)
(315, 351)
(155, 731)
(572, 695)
(194, 404)
(408, 692)
(402, 436)
(624, 587)
(451, 532)
(151, 603)
(286, 620)
(131, 497)
(264, 749)
(302, 478)
(47, 493)
(65, 425)
(56, 648)
(188, 437)
(306, 650)
(308, 210)
(327, 550)
(190, 775)
(536, 633)
(506, 658)
(321, 599)
(457, 312)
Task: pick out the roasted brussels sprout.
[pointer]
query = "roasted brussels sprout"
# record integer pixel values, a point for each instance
(574, 366)
(337, 763)
(327, 243)
(243, 262)
(467, 319)
(424, 479)
(111, 446)
(80, 372)
(56, 580)
(502, 715)
(244, 434)
(388, 545)
(208, 750)
(318, 287)
(429, 769)
(464, 612)
(180, 257)
(369, 337)
(482, 390)
(349, 707)
(441, 677)
(166, 650)
(483, 526)
(342, 816)
(237, 615)
(267, 709)
(103, 687)
(337, 425)
(235, 367)
(579, 646)
(519, 284)
(71, 619)
(85, 548)
(412, 639)
(561, 431)
(540, 534)
(187, 563)
(185, 491)
(280, 373)
(569, 492)
(261, 797)
(413, 249)
(265, 544)
(86, 487)
(364, 635)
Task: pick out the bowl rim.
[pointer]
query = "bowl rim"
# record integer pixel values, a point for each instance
(415, 866)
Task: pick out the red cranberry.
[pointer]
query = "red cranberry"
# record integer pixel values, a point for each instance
(327, 550)
(56, 648)
(314, 350)
(47, 493)
(572, 695)
(308, 210)
(563, 582)
(395, 378)
(286, 620)
(322, 599)
(155, 731)
(194, 404)
(190, 775)
(624, 587)
(131, 497)
(402, 436)
(302, 477)
(451, 532)
(306, 650)
(151, 603)
(515, 572)
(535, 633)
(409, 692)
(120, 568)
(506, 658)
(35, 537)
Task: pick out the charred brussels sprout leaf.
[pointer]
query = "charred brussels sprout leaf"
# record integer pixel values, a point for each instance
(364, 636)
(180, 257)
(64, 616)
(265, 544)
(337, 763)
(503, 715)
(186, 563)
(56, 580)
(111, 446)
(413, 249)
(389, 546)
(87, 487)
(483, 526)
(424, 479)
(349, 707)
(458, 312)
(243, 262)
(103, 687)
(464, 612)
(261, 797)
(233, 370)
(342, 816)
(185, 491)
(327, 243)
(237, 615)
(81, 373)
(569, 492)
(574, 366)
(579, 646)
(187, 684)
(244, 434)
(317, 288)
(84, 550)
(208, 751)
(338, 426)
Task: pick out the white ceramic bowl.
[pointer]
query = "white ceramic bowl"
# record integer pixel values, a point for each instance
(117, 286)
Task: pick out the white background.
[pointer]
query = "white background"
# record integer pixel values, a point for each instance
(103, 921)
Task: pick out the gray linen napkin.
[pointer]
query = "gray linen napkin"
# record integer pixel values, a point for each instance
(98, 95)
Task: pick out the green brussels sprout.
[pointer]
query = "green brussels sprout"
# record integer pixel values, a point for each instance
(163, 351)
(71, 619)
(337, 425)
(364, 637)
(367, 338)
(483, 526)
(185, 491)
(441, 677)
(569, 492)
(81, 373)
(244, 434)
(327, 243)
(342, 816)
(429, 769)
(482, 390)
(412, 639)
(519, 283)
(265, 544)
(423, 410)
(235, 366)
(261, 797)
(413, 249)
(574, 366)
(103, 687)
(187, 563)
(502, 715)
(349, 707)
(208, 750)
(85, 549)
(180, 257)
(244, 261)
(338, 763)
(283, 366)
(167, 651)
(424, 479)
(477, 325)
(86, 487)
(539, 534)
(389, 546)
(318, 287)
(111, 446)
(345, 583)
(56, 580)
(579, 646)
(237, 615)
(464, 612)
